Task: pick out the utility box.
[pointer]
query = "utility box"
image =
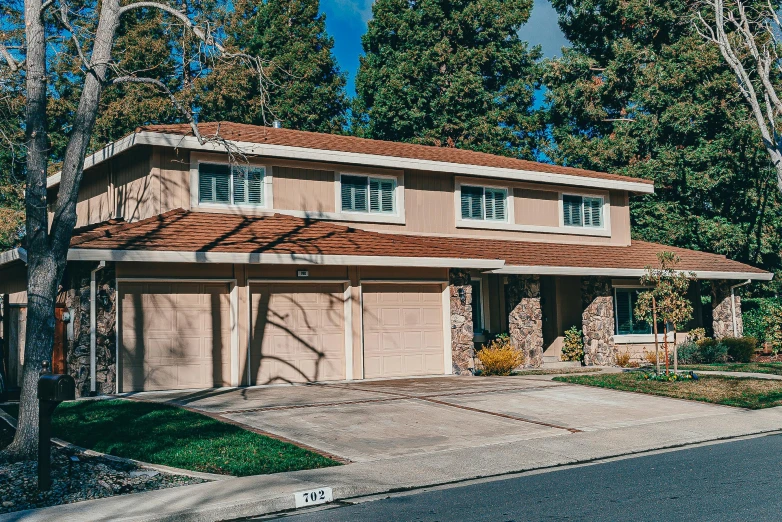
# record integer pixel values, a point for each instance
(56, 388)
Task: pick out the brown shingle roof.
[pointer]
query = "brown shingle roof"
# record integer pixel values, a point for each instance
(334, 142)
(184, 231)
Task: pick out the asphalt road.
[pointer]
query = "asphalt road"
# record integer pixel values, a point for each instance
(740, 480)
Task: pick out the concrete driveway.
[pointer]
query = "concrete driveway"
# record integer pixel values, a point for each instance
(374, 420)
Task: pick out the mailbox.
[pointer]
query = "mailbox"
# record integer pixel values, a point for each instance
(56, 388)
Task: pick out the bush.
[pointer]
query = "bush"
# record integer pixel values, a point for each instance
(712, 351)
(573, 346)
(762, 319)
(651, 357)
(500, 357)
(623, 359)
(689, 353)
(740, 349)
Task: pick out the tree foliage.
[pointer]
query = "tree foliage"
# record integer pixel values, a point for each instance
(641, 94)
(308, 87)
(449, 73)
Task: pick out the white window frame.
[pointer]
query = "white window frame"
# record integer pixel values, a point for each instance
(214, 159)
(633, 338)
(587, 230)
(395, 217)
(483, 223)
(483, 195)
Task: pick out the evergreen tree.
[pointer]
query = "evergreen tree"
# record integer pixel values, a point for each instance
(640, 94)
(448, 73)
(306, 87)
(11, 160)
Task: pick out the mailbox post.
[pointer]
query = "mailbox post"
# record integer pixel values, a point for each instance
(52, 390)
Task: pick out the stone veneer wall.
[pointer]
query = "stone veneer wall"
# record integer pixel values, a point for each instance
(463, 349)
(77, 299)
(722, 312)
(598, 321)
(525, 317)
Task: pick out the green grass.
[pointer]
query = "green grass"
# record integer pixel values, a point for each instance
(560, 371)
(172, 436)
(729, 391)
(773, 368)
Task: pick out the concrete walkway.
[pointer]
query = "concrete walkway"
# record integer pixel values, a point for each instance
(593, 435)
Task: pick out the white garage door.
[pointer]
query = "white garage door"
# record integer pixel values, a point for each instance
(298, 332)
(403, 330)
(174, 336)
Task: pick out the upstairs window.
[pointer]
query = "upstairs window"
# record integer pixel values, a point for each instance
(365, 194)
(582, 211)
(230, 184)
(484, 203)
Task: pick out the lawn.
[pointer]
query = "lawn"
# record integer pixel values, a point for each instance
(730, 391)
(559, 371)
(171, 436)
(773, 368)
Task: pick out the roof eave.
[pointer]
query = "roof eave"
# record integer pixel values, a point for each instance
(626, 272)
(14, 255)
(354, 158)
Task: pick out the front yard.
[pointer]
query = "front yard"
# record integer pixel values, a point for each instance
(729, 391)
(773, 368)
(161, 434)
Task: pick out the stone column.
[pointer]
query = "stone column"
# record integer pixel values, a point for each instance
(525, 318)
(722, 311)
(77, 299)
(598, 321)
(462, 347)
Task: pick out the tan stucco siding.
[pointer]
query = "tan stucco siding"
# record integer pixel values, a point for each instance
(303, 189)
(536, 207)
(95, 200)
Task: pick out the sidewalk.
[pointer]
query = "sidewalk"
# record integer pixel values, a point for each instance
(257, 495)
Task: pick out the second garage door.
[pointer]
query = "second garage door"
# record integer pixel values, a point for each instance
(298, 332)
(403, 330)
(174, 336)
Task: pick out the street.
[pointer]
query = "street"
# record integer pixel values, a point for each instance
(729, 481)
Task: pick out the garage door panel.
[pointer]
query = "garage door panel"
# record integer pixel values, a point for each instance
(175, 335)
(298, 332)
(403, 330)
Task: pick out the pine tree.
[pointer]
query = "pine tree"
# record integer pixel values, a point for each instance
(640, 94)
(306, 87)
(448, 73)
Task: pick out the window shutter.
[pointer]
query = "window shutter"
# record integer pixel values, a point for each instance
(593, 212)
(472, 202)
(354, 193)
(571, 209)
(624, 312)
(214, 183)
(381, 195)
(495, 204)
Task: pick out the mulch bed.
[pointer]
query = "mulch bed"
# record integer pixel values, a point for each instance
(89, 477)
(767, 358)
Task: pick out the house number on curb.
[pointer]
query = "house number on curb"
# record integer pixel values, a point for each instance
(313, 497)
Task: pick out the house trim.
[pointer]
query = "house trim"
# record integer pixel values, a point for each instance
(353, 158)
(624, 272)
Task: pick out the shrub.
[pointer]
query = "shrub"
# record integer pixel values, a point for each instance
(500, 357)
(696, 334)
(623, 359)
(740, 349)
(573, 346)
(689, 353)
(712, 351)
(651, 357)
(763, 320)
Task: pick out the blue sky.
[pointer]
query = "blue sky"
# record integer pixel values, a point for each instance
(346, 21)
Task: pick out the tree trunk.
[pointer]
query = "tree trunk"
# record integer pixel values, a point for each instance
(675, 353)
(665, 344)
(654, 329)
(47, 250)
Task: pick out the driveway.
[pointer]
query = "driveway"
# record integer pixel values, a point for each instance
(374, 420)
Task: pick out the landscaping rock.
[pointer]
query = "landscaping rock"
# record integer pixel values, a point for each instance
(88, 478)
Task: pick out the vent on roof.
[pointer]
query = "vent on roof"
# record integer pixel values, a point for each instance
(277, 124)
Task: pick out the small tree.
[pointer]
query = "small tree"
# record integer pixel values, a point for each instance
(665, 301)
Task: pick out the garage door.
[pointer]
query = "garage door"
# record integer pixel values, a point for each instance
(298, 333)
(403, 330)
(174, 336)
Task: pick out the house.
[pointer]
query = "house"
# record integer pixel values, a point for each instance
(269, 255)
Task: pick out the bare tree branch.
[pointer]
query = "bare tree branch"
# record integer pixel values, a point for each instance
(14, 65)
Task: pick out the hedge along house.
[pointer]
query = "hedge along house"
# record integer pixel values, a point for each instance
(314, 257)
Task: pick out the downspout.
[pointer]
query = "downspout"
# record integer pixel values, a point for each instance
(93, 328)
(733, 304)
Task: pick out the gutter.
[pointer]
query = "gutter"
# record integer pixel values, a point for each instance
(93, 328)
(733, 304)
(9, 256)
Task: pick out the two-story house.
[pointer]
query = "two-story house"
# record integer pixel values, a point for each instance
(300, 257)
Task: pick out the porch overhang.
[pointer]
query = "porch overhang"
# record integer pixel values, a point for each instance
(625, 272)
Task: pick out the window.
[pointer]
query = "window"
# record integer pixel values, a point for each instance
(582, 211)
(230, 184)
(484, 203)
(627, 323)
(477, 309)
(365, 194)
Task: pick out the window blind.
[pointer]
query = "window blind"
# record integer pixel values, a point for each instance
(593, 212)
(248, 185)
(381, 195)
(472, 202)
(214, 183)
(495, 204)
(571, 209)
(354, 193)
